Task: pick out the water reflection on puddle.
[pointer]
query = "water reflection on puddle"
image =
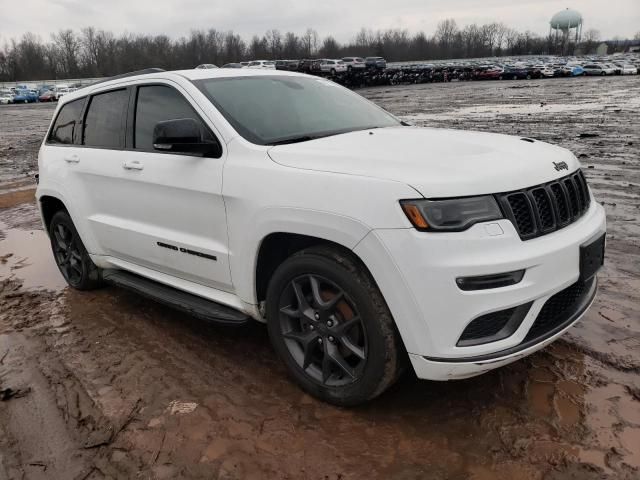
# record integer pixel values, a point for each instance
(26, 256)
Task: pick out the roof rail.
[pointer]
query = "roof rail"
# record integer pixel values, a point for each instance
(128, 74)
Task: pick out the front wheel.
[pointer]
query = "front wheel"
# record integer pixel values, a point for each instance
(330, 325)
(70, 254)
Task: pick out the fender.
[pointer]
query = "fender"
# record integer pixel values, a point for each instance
(56, 190)
(339, 229)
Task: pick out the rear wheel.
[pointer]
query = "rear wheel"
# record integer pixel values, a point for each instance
(330, 325)
(70, 254)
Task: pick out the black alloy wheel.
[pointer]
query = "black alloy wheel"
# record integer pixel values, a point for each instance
(323, 330)
(331, 327)
(67, 253)
(70, 254)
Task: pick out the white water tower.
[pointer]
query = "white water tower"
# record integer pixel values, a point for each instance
(567, 24)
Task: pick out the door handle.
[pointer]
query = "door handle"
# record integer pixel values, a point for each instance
(132, 165)
(72, 158)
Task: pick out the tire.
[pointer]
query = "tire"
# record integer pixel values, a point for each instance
(515, 77)
(528, 77)
(347, 324)
(500, 77)
(71, 256)
(602, 74)
(333, 71)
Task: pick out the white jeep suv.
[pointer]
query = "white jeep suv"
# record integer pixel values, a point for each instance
(361, 241)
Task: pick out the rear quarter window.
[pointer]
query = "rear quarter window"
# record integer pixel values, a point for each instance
(66, 127)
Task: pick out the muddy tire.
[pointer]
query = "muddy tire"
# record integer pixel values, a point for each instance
(330, 325)
(71, 256)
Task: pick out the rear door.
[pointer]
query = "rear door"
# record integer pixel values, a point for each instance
(160, 210)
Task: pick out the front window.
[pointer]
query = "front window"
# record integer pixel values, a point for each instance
(272, 109)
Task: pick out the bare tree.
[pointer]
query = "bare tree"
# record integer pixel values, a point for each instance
(68, 46)
(274, 43)
(590, 40)
(309, 41)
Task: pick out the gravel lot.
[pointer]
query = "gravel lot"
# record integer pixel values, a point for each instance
(106, 384)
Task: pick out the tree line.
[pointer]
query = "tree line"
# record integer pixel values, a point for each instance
(97, 53)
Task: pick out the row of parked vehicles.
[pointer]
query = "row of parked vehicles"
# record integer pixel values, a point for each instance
(26, 94)
(357, 72)
(517, 72)
(354, 72)
(332, 66)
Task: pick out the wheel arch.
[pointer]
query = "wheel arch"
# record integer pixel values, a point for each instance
(276, 247)
(49, 205)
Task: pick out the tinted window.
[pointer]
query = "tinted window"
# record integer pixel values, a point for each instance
(103, 123)
(158, 103)
(65, 126)
(268, 109)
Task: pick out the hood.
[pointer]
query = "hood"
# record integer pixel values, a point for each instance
(436, 162)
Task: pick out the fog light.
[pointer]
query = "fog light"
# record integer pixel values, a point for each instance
(485, 282)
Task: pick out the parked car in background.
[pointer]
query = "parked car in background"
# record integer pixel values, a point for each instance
(332, 66)
(232, 65)
(511, 72)
(282, 64)
(309, 65)
(488, 73)
(47, 96)
(546, 70)
(206, 66)
(354, 63)
(25, 96)
(628, 69)
(263, 64)
(6, 97)
(292, 65)
(46, 88)
(61, 92)
(572, 70)
(375, 62)
(597, 69)
(617, 70)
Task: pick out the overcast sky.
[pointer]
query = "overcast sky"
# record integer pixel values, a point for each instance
(340, 18)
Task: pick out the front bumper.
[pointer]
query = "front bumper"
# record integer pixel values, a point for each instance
(417, 271)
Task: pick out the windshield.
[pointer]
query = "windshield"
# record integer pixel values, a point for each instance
(272, 109)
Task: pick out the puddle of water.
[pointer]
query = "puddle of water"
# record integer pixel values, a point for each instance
(26, 256)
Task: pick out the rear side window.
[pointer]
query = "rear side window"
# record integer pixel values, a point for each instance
(67, 123)
(103, 124)
(157, 103)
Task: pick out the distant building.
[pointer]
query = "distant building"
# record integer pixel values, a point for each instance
(602, 49)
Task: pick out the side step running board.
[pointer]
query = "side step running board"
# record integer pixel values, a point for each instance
(197, 306)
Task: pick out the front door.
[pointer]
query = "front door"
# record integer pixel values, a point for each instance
(163, 211)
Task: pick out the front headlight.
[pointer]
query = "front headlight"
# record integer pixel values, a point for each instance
(451, 215)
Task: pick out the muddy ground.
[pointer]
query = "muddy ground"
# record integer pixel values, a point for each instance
(106, 384)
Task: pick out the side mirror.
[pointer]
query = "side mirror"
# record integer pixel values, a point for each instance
(183, 135)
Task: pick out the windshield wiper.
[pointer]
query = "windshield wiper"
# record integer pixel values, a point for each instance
(301, 138)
